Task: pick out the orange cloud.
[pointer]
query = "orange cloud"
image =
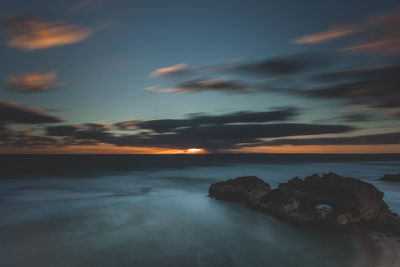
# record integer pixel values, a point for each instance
(33, 82)
(170, 71)
(382, 35)
(331, 34)
(31, 33)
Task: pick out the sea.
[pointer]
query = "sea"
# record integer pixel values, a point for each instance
(154, 210)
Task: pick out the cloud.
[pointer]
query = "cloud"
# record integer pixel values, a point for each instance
(29, 33)
(167, 125)
(211, 138)
(26, 139)
(33, 82)
(380, 35)
(175, 70)
(124, 125)
(86, 131)
(356, 117)
(219, 137)
(328, 35)
(210, 132)
(286, 65)
(216, 85)
(370, 87)
(251, 131)
(386, 38)
(373, 139)
(62, 130)
(13, 112)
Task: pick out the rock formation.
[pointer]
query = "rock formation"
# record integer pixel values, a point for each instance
(330, 201)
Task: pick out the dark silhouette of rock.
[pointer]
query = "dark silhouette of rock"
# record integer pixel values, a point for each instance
(391, 177)
(330, 201)
(244, 189)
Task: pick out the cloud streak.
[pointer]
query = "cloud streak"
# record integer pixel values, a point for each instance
(175, 70)
(167, 125)
(380, 35)
(370, 87)
(216, 85)
(373, 139)
(328, 35)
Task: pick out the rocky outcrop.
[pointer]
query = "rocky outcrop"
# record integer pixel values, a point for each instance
(330, 201)
(246, 189)
(391, 177)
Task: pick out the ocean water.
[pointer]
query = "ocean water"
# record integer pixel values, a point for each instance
(154, 211)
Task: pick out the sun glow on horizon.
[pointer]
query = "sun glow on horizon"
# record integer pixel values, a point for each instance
(195, 150)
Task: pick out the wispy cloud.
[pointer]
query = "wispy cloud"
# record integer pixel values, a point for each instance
(174, 70)
(33, 81)
(328, 35)
(369, 87)
(372, 139)
(30, 33)
(386, 38)
(165, 125)
(380, 35)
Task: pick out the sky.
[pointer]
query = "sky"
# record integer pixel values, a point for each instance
(102, 76)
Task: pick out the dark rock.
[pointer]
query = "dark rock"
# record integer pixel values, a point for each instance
(391, 177)
(347, 203)
(242, 189)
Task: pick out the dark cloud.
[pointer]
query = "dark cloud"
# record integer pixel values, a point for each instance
(212, 138)
(289, 65)
(216, 85)
(12, 138)
(356, 117)
(373, 88)
(213, 133)
(218, 137)
(12, 112)
(237, 117)
(285, 66)
(88, 131)
(62, 130)
(251, 131)
(373, 139)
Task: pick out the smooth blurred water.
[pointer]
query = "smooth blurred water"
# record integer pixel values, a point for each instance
(163, 217)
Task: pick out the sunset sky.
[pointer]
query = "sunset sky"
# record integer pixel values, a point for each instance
(102, 76)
